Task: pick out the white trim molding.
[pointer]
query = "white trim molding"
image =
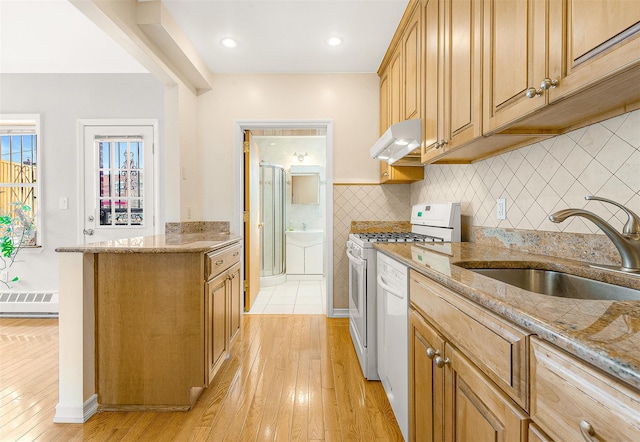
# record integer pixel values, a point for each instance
(237, 225)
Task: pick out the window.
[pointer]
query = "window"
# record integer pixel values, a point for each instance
(19, 173)
(121, 184)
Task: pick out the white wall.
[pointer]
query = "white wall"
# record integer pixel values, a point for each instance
(61, 100)
(350, 100)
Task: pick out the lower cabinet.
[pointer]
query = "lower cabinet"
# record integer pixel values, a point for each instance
(236, 303)
(426, 381)
(475, 377)
(450, 398)
(601, 408)
(305, 256)
(222, 306)
(217, 326)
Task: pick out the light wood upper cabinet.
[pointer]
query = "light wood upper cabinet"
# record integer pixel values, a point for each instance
(400, 174)
(432, 123)
(590, 41)
(514, 59)
(411, 58)
(395, 87)
(452, 64)
(401, 85)
(384, 102)
(462, 72)
(581, 56)
(496, 75)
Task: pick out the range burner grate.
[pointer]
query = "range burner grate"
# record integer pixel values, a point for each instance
(396, 237)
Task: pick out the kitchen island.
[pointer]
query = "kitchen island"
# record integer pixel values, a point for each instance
(145, 322)
(520, 357)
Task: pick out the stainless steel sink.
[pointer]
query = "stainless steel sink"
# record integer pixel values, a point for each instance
(564, 285)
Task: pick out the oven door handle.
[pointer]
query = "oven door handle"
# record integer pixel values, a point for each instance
(387, 288)
(357, 261)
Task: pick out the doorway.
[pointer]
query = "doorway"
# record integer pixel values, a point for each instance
(299, 148)
(119, 186)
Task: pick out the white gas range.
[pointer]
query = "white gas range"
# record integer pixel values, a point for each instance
(431, 222)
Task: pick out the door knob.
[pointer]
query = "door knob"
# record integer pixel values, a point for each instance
(533, 92)
(90, 218)
(88, 232)
(548, 83)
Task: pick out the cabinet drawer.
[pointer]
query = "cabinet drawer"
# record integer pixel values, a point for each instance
(566, 392)
(497, 347)
(220, 260)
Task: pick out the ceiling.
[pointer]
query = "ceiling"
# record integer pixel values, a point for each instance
(273, 36)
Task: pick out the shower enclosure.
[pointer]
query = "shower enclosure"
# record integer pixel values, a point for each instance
(272, 214)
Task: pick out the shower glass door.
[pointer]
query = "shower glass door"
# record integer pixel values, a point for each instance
(272, 245)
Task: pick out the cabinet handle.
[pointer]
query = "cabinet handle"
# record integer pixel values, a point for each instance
(236, 254)
(548, 83)
(441, 143)
(533, 92)
(431, 353)
(441, 362)
(217, 263)
(385, 174)
(587, 431)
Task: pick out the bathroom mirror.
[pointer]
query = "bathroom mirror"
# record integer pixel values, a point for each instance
(305, 188)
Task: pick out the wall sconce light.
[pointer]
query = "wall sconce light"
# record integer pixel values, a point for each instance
(301, 157)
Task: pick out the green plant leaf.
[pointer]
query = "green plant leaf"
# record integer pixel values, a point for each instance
(14, 279)
(6, 219)
(6, 246)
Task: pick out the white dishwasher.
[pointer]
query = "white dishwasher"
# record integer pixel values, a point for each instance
(393, 330)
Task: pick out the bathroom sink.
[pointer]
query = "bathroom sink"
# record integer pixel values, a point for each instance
(305, 235)
(564, 285)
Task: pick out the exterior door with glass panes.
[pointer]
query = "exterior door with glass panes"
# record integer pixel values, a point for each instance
(119, 182)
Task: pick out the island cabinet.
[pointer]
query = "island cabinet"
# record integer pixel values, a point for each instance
(163, 323)
(222, 306)
(468, 376)
(539, 53)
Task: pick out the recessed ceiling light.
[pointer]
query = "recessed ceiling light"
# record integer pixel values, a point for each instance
(228, 42)
(334, 41)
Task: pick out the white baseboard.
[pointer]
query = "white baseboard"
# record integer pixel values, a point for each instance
(340, 313)
(75, 413)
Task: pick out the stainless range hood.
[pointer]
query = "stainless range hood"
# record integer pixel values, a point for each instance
(400, 140)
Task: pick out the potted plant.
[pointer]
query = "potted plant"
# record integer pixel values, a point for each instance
(17, 231)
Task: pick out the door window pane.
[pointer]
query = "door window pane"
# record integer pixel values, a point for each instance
(120, 181)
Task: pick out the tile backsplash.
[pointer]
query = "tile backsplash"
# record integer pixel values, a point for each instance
(361, 203)
(601, 159)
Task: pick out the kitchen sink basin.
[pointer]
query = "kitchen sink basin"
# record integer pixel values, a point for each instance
(564, 285)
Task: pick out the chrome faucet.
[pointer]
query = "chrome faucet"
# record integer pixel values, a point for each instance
(627, 242)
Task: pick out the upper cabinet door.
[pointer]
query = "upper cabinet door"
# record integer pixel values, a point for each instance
(462, 72)
(514, 60)
(432, 124)
(412, 54)
(590, 41)
(384, 102)
(395, 86)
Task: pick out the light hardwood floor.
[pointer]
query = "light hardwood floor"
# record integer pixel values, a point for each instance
(290, 377)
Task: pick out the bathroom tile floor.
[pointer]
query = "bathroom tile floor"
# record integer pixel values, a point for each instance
(292, 297)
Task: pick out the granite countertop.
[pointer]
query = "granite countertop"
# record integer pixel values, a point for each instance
(602, 333)
(169, 243)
